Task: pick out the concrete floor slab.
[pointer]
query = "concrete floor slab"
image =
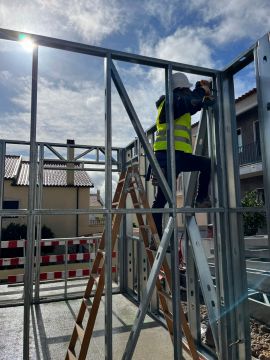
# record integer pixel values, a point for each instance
(52, 324)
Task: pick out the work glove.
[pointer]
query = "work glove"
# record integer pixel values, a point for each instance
(208, 99)
(206, 85)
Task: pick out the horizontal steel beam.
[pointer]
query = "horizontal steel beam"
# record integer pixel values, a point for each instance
(241, 61)
(103, 52)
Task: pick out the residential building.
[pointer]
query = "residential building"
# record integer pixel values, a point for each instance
(62, 189)
(96, 221)
(248, 135)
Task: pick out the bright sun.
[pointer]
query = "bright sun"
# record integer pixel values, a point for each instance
(26, 42)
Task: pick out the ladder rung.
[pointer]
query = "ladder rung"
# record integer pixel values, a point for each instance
(80, 332)
(168, 315)
(121, 180)
(150, 250)
(102, 252)
(95, 276)
(88, 304)
(165, 294)
(71, 355)
(162, 273)
(115, 203)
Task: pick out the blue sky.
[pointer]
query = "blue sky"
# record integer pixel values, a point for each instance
(70, 87)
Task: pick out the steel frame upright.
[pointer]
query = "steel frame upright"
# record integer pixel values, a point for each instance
(108, 205)
(171, 171)
(235, 292)
(29, 261)
(262, 66)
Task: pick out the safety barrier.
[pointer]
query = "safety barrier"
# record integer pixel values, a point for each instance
(52, 259)
(62, 260)
(12, 244)
(56, 275)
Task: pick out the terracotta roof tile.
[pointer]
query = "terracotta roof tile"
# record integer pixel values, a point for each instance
(18, 170)
(247, 94)
(12, 164)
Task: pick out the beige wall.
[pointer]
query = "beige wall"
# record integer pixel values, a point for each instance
(54, 198)
(18, 193)
(66, 198)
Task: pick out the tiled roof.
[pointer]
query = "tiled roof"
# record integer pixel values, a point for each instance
(247, 94)
(51, 176)
(12, 164)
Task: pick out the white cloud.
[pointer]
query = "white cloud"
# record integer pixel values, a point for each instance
(69, 19)
(233, 20)
(177, 47)
(167, 17)
(5, 75)
(98, 179)
(185, 45)
(15, 126)
(74, 110)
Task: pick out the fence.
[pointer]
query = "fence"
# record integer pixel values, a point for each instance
(250, 153)
(69, 258)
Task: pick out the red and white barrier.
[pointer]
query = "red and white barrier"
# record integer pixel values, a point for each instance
(12, 244)
(52, 259)
(56, 275)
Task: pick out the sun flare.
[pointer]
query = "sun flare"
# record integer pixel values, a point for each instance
(26, 42)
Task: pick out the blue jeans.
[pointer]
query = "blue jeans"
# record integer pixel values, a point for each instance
(184, 162)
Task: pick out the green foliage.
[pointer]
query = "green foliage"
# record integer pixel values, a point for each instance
(252, 221)
(12, 232)
(16, 232)
(46, 232)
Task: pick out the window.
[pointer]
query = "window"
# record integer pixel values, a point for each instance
(257, 139)
(256, 131)
(10, 204)
(260, 195)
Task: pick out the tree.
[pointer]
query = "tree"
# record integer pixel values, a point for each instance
(16, 232)
(252, 221)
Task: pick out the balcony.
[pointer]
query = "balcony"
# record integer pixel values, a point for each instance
(96, 225)
(250, 153)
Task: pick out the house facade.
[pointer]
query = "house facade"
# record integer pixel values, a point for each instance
(96, 221)
(60, 191)
(249, 148)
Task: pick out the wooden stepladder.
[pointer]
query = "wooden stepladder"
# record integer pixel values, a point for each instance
(129, 182)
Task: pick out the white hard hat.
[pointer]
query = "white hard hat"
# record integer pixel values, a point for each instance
(180, 80)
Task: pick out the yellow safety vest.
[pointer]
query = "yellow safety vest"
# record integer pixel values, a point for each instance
(182, 133)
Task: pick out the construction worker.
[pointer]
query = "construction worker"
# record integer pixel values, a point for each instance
(185, 103)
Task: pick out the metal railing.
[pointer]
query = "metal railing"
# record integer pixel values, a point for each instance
(250, 153)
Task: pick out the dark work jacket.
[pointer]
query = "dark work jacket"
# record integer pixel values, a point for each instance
(184, 101)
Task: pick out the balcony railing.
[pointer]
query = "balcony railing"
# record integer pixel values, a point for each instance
(97, 222)
(250, 153)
